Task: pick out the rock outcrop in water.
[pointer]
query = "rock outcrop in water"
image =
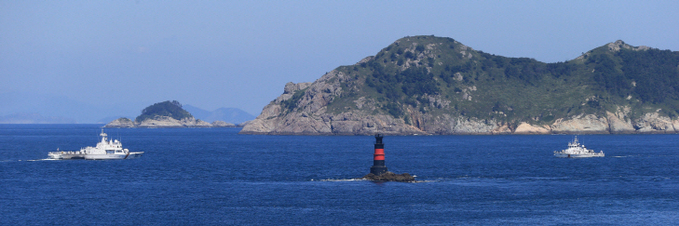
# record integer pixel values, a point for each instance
(389, 176)
(121, 123)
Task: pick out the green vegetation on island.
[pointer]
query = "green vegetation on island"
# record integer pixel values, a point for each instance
(437, 76)
(172, 109)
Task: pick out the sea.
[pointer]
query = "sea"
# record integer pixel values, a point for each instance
(214, 176)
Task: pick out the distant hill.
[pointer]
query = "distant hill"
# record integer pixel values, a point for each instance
(436, 85)
(47, 107)
(232, 115)
(34, 118)
(50, 105)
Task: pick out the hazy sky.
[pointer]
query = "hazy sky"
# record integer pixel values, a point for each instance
(125, 55)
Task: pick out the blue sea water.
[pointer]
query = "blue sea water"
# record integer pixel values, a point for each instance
(217, 177)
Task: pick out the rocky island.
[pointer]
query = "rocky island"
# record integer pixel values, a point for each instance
(427, 85)
(167, 114)
(389, 176)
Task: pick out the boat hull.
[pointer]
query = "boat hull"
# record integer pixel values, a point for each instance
(131, 155)
(104, 157)
(134, 155)
(578, 155)
(66, 156)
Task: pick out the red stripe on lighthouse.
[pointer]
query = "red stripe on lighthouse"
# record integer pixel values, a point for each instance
(379, 154)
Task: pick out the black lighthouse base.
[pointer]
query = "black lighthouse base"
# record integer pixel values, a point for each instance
(378, 170)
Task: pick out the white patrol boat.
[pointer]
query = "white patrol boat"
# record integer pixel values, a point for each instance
(576, 150)
(105, 149)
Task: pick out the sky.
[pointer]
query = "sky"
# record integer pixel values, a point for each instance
(98, 59)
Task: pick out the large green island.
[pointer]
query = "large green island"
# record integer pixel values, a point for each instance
(433, 85)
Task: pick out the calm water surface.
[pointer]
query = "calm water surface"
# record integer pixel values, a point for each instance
(217, 177)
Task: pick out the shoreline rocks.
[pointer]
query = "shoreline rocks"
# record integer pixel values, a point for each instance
(167, 122)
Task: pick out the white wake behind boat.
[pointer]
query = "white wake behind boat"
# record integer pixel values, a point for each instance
(577, 150)
(105, 149)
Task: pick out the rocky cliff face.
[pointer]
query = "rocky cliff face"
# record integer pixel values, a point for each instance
(165, 122)
(311, 117)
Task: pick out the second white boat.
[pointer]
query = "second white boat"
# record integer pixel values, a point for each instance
(577, 150)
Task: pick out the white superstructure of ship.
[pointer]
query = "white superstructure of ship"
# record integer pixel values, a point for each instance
(105, 149)
(577, 150)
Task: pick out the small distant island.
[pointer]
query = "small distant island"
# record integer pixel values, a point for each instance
(167, 114)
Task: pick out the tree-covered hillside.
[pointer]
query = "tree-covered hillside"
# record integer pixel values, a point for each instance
(434, 75)
(168, 108)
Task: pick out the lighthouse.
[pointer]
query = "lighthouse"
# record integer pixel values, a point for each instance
(378, 167)
(378, 172)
